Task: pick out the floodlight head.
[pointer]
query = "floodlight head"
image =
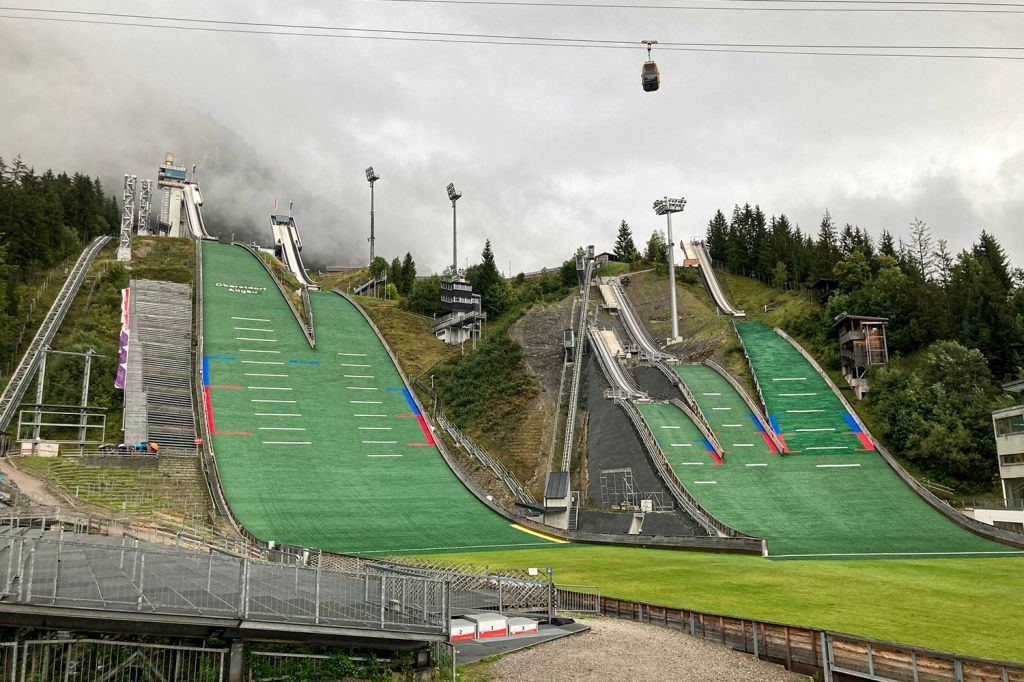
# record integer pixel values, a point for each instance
(666, 205)
(371, 176)
(452, 194)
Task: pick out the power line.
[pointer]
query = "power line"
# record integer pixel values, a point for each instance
(861, 5)
(490, 36)
(257, 28)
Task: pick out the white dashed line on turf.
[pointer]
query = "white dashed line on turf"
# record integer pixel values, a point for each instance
(251, 319)
(835, 466)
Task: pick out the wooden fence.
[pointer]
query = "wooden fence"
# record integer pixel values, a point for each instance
(835, 657)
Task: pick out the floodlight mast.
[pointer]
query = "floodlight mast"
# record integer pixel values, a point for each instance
(454, 196)
(667, 207)
(372, 177)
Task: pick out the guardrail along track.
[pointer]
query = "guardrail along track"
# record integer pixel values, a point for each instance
(22, 376)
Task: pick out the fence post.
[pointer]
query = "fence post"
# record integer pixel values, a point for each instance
(141, 573)
(316, 594)
(826, 657)
(56, 571)
(241, 588)
(31, 573)
(383, 581)
(500, 600)
(757, 651)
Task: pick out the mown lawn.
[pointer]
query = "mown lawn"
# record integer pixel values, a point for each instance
(968, 606)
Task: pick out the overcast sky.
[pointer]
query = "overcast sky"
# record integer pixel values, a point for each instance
(551, 147)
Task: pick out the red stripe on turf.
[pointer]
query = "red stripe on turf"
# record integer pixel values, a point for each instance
(782, 439)
(426, 429)
(209, 408)
(768, 442)
(865, 441)
(718, 460)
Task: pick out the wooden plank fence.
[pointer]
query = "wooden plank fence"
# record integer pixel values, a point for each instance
(834, 656)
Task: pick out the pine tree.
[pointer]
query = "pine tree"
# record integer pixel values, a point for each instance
(717, 236)
(395, 273)
(625, 249)
(943, 263)
(886, 244)
(921, 255)
(826, 249)
(408, 273)
(484, 277)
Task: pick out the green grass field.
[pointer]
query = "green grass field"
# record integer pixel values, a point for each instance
(967, 606)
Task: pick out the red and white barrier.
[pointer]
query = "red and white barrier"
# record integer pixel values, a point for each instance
(462, 630)
(522, 626)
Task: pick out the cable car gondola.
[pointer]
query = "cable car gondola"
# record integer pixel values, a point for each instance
(650, 78)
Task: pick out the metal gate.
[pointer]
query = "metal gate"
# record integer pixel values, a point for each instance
(578, 598)
(97, 660)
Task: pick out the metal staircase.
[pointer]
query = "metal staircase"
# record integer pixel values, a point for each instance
(574, 387)
(22, 376)
(158, 384)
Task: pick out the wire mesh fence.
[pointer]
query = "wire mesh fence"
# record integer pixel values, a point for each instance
(118, 574)
(112, 661)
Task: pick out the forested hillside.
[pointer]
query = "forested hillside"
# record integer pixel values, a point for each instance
(44, 218)
(956, 326)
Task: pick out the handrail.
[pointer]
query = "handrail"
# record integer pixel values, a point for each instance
(750, 365)
(706, 519)
(503, 474)
(702, 425)
(698, 417)
(22, 375)
(967, 523)
(637, 332)
(612, 371)
(754, 409)
(280, 287)
(574, 388)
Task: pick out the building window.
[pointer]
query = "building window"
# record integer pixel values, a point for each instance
(1008, 426)
(1007, 460)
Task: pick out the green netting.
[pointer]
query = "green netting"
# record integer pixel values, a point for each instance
(811, 502)
(322, 448)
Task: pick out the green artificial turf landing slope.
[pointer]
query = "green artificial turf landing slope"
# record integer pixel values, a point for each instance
(323, 447)
(828, 496)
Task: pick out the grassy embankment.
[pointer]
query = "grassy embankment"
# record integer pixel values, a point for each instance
(93, 321)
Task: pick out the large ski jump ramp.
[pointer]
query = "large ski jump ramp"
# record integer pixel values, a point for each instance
(324, 447)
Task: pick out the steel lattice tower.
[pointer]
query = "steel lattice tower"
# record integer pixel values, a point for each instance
(124, 249)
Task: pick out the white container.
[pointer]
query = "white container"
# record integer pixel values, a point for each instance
(489, 625)
(462, 630)
(522, 626)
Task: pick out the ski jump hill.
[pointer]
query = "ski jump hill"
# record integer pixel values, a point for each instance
(816, 484)
(324, 447)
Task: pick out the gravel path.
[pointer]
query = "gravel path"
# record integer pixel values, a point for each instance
(619, 650)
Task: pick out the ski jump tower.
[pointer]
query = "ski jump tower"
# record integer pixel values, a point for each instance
(171, 182)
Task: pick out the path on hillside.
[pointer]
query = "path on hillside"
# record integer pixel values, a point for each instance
(621, 651)
(325, 447)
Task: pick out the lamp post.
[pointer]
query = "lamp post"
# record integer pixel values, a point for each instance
(667, 207)
(454, 196)
(372, 177)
